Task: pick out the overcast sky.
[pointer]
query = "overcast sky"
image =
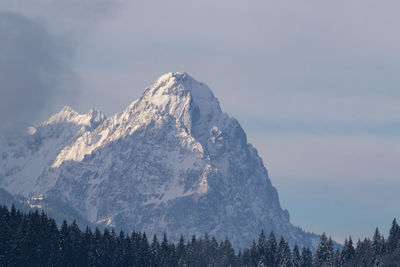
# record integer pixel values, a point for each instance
(315, 84)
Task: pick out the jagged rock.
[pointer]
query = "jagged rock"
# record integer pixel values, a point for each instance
(172, 162)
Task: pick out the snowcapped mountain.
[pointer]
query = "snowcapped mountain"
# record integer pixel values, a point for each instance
(26, 163)
(172, 162)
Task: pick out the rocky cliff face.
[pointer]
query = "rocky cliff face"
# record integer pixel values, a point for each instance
(172, 162)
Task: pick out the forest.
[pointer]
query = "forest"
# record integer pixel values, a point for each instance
(34, 239)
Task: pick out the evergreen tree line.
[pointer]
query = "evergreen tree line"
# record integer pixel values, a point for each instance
(33, 239)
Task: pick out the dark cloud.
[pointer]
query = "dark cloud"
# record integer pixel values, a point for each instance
(35, 74)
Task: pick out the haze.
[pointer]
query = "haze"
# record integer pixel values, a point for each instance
(315, 85)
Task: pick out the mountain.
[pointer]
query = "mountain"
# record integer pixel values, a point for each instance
(172, 162)
(8, 199)
(54, 208)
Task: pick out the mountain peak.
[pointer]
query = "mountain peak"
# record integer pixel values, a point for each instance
(181, 96)
(173, 78)
(65, 114)
(179, 84)
(68, 115)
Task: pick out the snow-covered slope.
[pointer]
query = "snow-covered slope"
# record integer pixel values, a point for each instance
(172, 162)
(25, 163)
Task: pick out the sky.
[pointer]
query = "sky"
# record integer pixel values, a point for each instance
(315, 85)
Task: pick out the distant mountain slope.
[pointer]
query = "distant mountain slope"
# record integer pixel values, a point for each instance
(171, 161)
(8, 199)
(58, 210)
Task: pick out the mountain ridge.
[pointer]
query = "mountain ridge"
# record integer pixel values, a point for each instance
(171, 161)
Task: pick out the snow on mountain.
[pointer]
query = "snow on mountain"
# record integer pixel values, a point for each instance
(25, 162)
(172, 162)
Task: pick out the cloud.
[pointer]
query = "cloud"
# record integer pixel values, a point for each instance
(71, 19)
(37, 55)
(62, 26)
(35, 75)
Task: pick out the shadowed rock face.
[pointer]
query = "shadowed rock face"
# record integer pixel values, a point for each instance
(172, 162)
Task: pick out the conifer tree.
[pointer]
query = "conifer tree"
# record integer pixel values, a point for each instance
(306, 259)
(363, 252)
(120, 252)
(65, 248)
(323, 253)
(190, 251)
(180, 251)
(272, 250)
(284, 254)
(51, 233)
(164, 251)
(228, 258)
(145, 254)
(33, 239)
(261, 249)
(394, 237)
(253, 257)
(377, 248)
(76, 246)
(95, 246)
(155, 251)
(337, 259)
(5, 236)
(348, 252)
(331, 251)
(214, 249)
(296, 260)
